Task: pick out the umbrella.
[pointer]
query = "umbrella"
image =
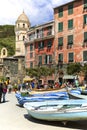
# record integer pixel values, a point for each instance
(27, 78)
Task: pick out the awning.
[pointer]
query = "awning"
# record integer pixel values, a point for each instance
(68, 77)
(27, 78)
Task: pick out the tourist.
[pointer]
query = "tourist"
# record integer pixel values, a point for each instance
(1, 91)
(4, 91)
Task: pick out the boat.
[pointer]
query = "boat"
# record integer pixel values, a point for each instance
(41, 97)
(77, 94)
(61, 110)
(43, 90)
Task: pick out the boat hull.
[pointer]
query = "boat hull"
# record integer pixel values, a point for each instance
(42, 97)
(78, 113)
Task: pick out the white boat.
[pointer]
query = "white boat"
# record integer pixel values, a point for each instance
(61, 110)
(77, 94)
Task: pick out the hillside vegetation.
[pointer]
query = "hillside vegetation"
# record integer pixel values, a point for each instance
(7, 38)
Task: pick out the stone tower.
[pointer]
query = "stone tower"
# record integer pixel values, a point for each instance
(21, 27)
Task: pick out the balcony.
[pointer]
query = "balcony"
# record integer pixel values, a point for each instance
(69, 46)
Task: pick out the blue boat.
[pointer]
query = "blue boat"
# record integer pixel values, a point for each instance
(41, 97)
(77, 94)
(61, 110)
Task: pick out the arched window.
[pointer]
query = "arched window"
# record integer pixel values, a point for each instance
(4, 52)
(23, 25)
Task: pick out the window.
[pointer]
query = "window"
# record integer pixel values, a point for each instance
(70, 39)
(31, 64)
(70, 24)
(23, 38)
(31, 47)
(4, 52)
(60, 12)
(60, 27)
(49, 44)
(85, 19)
(70, 9)
(60, 41)
(85, 4)
(48, 59)
(60, 57)
(84, 55)
(23, 25)
(41, 45)
(70, 59)
(40, 60)
(31, 55)
(85, 36)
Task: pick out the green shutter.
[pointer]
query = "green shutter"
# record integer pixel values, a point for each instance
(85, 4)
(70, 24)
(85, 19)
(85, 56)
(70, 57)
(70, 9)
(60, 12)
(50, 58)
(40, 60)
(45, 59)
(60, 57)
(85, 36)
(70, 39)
(60, 41)
(60, 27)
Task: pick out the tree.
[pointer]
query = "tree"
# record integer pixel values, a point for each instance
(74, 68)
(40, 72)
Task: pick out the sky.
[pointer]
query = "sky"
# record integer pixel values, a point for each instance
(38, 11)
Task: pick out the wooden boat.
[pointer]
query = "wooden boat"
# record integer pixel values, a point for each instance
(61, 110)
(42, 90)
(41, 97)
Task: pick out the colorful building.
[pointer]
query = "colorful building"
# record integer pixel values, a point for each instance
(71, 32)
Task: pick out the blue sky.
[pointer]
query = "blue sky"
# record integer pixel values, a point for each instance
(38, 11)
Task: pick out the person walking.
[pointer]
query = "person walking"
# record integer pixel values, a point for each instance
(4, 91)
(1, 91)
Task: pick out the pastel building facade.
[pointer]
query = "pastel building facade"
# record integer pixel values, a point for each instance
(71, 32)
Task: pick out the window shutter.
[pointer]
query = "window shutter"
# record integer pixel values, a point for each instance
(60, 12)
(70, 9)
(70, 57)
(60, 27)
(60, 41)
(70, 24)
(85, 56)
(70, 39)
(85, 36)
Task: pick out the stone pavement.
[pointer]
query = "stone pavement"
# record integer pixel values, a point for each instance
(13, 117)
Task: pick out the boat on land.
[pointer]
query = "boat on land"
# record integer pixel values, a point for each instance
(77, 94)
(43, 90)
(61, 110)
(41, 97)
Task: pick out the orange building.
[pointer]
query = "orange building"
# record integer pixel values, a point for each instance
(39, 46)
(71, 32)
